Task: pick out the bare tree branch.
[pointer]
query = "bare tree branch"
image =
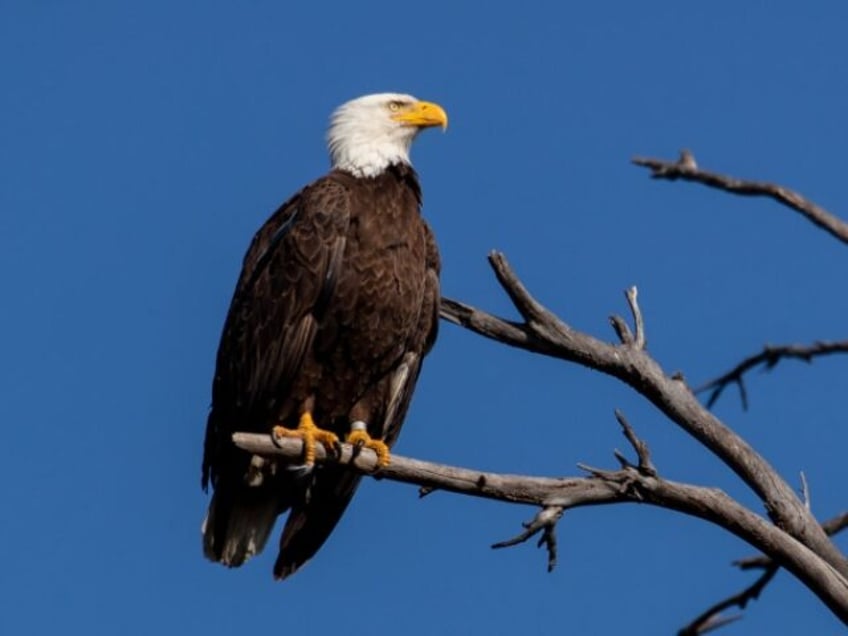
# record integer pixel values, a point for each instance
(805, 492)
(768, 358)
(832, 527)
(601, 487)
(712, 618)
(632, 295)
(545, 333)
(687, 169)
(545, 522)
(646, 466)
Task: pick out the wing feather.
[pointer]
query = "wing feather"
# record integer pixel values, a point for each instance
(287, 280)
(310, 522)
(406, 376)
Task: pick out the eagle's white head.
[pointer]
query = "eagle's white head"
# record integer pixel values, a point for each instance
(370, 133)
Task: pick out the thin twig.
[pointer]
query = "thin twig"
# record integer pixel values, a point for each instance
(686, 168)
(533, 312)
(646, 467)
(836, 524)
(632, 295)
(768, 357)
(625, 477)
(545, 522)
(621, 329)
(805, 491)
(424, 491)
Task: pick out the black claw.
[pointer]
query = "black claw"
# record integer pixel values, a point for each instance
(357, 448)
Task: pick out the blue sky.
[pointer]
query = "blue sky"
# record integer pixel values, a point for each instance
(141, 144)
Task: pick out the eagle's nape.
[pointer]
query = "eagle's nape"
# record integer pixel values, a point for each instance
(311, 435)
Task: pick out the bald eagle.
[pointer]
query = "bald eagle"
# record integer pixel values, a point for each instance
(334, 310)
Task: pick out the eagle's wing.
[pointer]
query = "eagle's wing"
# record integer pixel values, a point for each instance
(309, 524)
(287, 279)
(406, 375)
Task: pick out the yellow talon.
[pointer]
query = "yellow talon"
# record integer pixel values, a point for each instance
(362, 438)
(311, 436)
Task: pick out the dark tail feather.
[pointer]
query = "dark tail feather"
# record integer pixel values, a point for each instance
(234, 531)
(310, 523)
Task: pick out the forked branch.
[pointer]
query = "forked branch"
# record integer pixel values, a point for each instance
(545, 522)
(545, 333)
(768, 359)
(686, 168)
(713, 618)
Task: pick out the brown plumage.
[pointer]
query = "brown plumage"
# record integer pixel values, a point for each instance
(334, 310)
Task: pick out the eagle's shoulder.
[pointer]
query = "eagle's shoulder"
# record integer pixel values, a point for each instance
(308, 217)
(434, 259)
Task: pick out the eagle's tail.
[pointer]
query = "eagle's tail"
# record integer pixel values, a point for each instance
(235, 530)
(311, 522)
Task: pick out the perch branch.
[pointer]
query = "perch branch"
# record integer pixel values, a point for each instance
(547, 334)
(768, 358)
(605, 487)
(687, 169)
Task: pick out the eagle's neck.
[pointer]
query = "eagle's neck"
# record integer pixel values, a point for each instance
(366, 148)
(369, 159)
(406, 174)
(401, 174)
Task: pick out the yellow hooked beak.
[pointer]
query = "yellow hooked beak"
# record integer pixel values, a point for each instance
(423, 115)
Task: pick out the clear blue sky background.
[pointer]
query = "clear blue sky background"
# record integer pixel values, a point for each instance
(141, 144)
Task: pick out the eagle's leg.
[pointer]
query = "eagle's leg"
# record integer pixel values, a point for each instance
(359, 437)
(311, 435)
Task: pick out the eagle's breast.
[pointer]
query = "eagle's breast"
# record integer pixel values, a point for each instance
(378, 298)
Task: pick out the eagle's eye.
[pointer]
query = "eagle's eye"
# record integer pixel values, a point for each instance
(394, 106)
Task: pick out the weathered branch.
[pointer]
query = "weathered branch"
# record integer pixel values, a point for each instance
(602, 487)
(547, 334)
(632, 296)
(536, 491)
(832, 527)
(768, 358)
(545, 522)
(686, 168)
(646, 466)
